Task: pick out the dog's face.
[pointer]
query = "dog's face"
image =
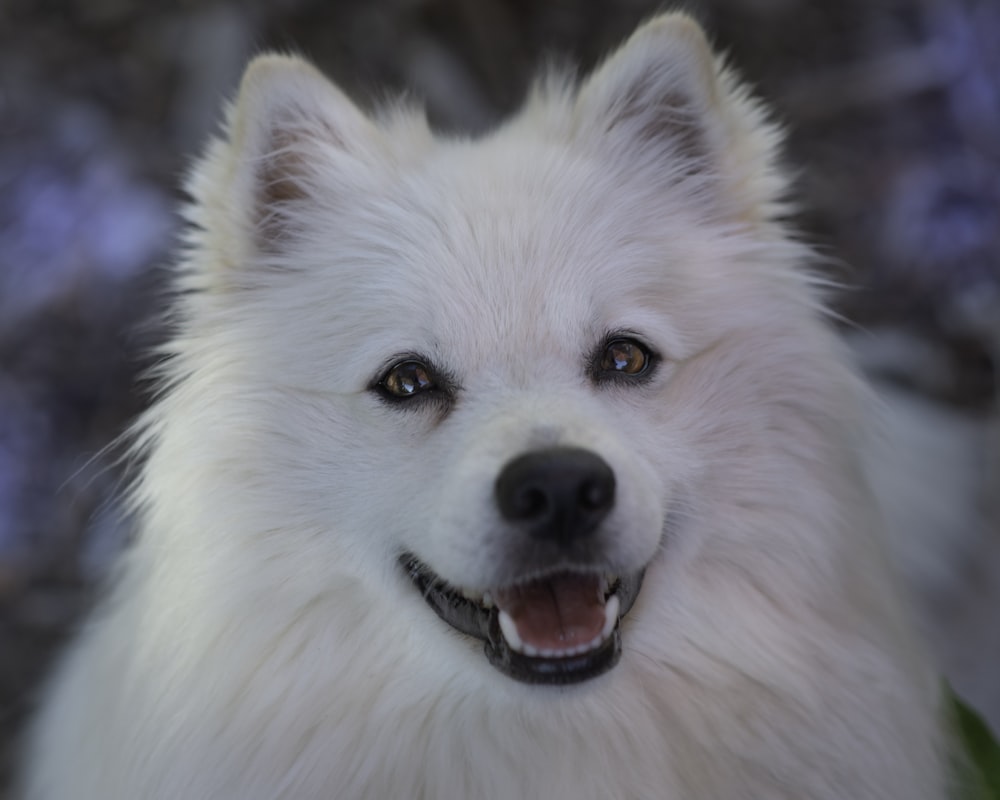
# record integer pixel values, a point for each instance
(512, 394)
(487, 372)
(492, 381)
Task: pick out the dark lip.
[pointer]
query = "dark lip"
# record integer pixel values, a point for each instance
(473, 619)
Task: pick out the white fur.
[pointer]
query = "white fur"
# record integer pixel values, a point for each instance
(261, 641)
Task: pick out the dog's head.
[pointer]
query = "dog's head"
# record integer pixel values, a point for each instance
(489, 373)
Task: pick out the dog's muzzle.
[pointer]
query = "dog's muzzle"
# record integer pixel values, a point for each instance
(561, 624)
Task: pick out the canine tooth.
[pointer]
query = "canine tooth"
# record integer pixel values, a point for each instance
(509, 631)
(487, 600)
(610, 616)
(530, 649)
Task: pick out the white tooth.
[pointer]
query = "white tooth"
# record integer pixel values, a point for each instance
(488, 600)
(509, 630)
(530, 650)
(610, 616)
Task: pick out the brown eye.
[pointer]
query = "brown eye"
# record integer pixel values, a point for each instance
(625, 357)
(406, 379)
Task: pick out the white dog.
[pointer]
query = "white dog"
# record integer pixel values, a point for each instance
(522, 467)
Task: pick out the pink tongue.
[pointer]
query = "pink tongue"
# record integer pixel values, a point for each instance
(557, 613)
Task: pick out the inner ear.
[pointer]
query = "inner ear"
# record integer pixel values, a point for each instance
(654, 115)
(282, 171)
(283, 180)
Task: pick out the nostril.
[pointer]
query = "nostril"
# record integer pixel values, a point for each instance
(529, 503)
(597, 494)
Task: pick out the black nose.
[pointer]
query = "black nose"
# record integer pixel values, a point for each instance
(559, 494)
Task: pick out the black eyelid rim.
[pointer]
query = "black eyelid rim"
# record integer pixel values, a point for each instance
(444, 384)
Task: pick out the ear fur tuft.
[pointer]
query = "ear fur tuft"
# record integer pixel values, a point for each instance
(667, 106)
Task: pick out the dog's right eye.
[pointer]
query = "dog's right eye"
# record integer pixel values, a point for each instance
(623, 358)
(406, 379)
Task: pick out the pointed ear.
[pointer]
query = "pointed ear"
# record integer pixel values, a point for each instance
(293, 136)
(663, 104)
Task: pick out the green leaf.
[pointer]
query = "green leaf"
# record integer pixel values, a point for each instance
(982, 752)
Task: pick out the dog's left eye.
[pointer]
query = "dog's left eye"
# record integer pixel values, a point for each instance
(407, 379)
(626, 357)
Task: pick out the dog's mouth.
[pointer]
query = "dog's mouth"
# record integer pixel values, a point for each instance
(560, 627)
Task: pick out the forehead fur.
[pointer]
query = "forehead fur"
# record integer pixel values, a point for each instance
(655, 162)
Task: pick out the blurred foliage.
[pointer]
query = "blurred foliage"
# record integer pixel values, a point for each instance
(982, 750)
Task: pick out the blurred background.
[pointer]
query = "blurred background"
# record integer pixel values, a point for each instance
(893, 113)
